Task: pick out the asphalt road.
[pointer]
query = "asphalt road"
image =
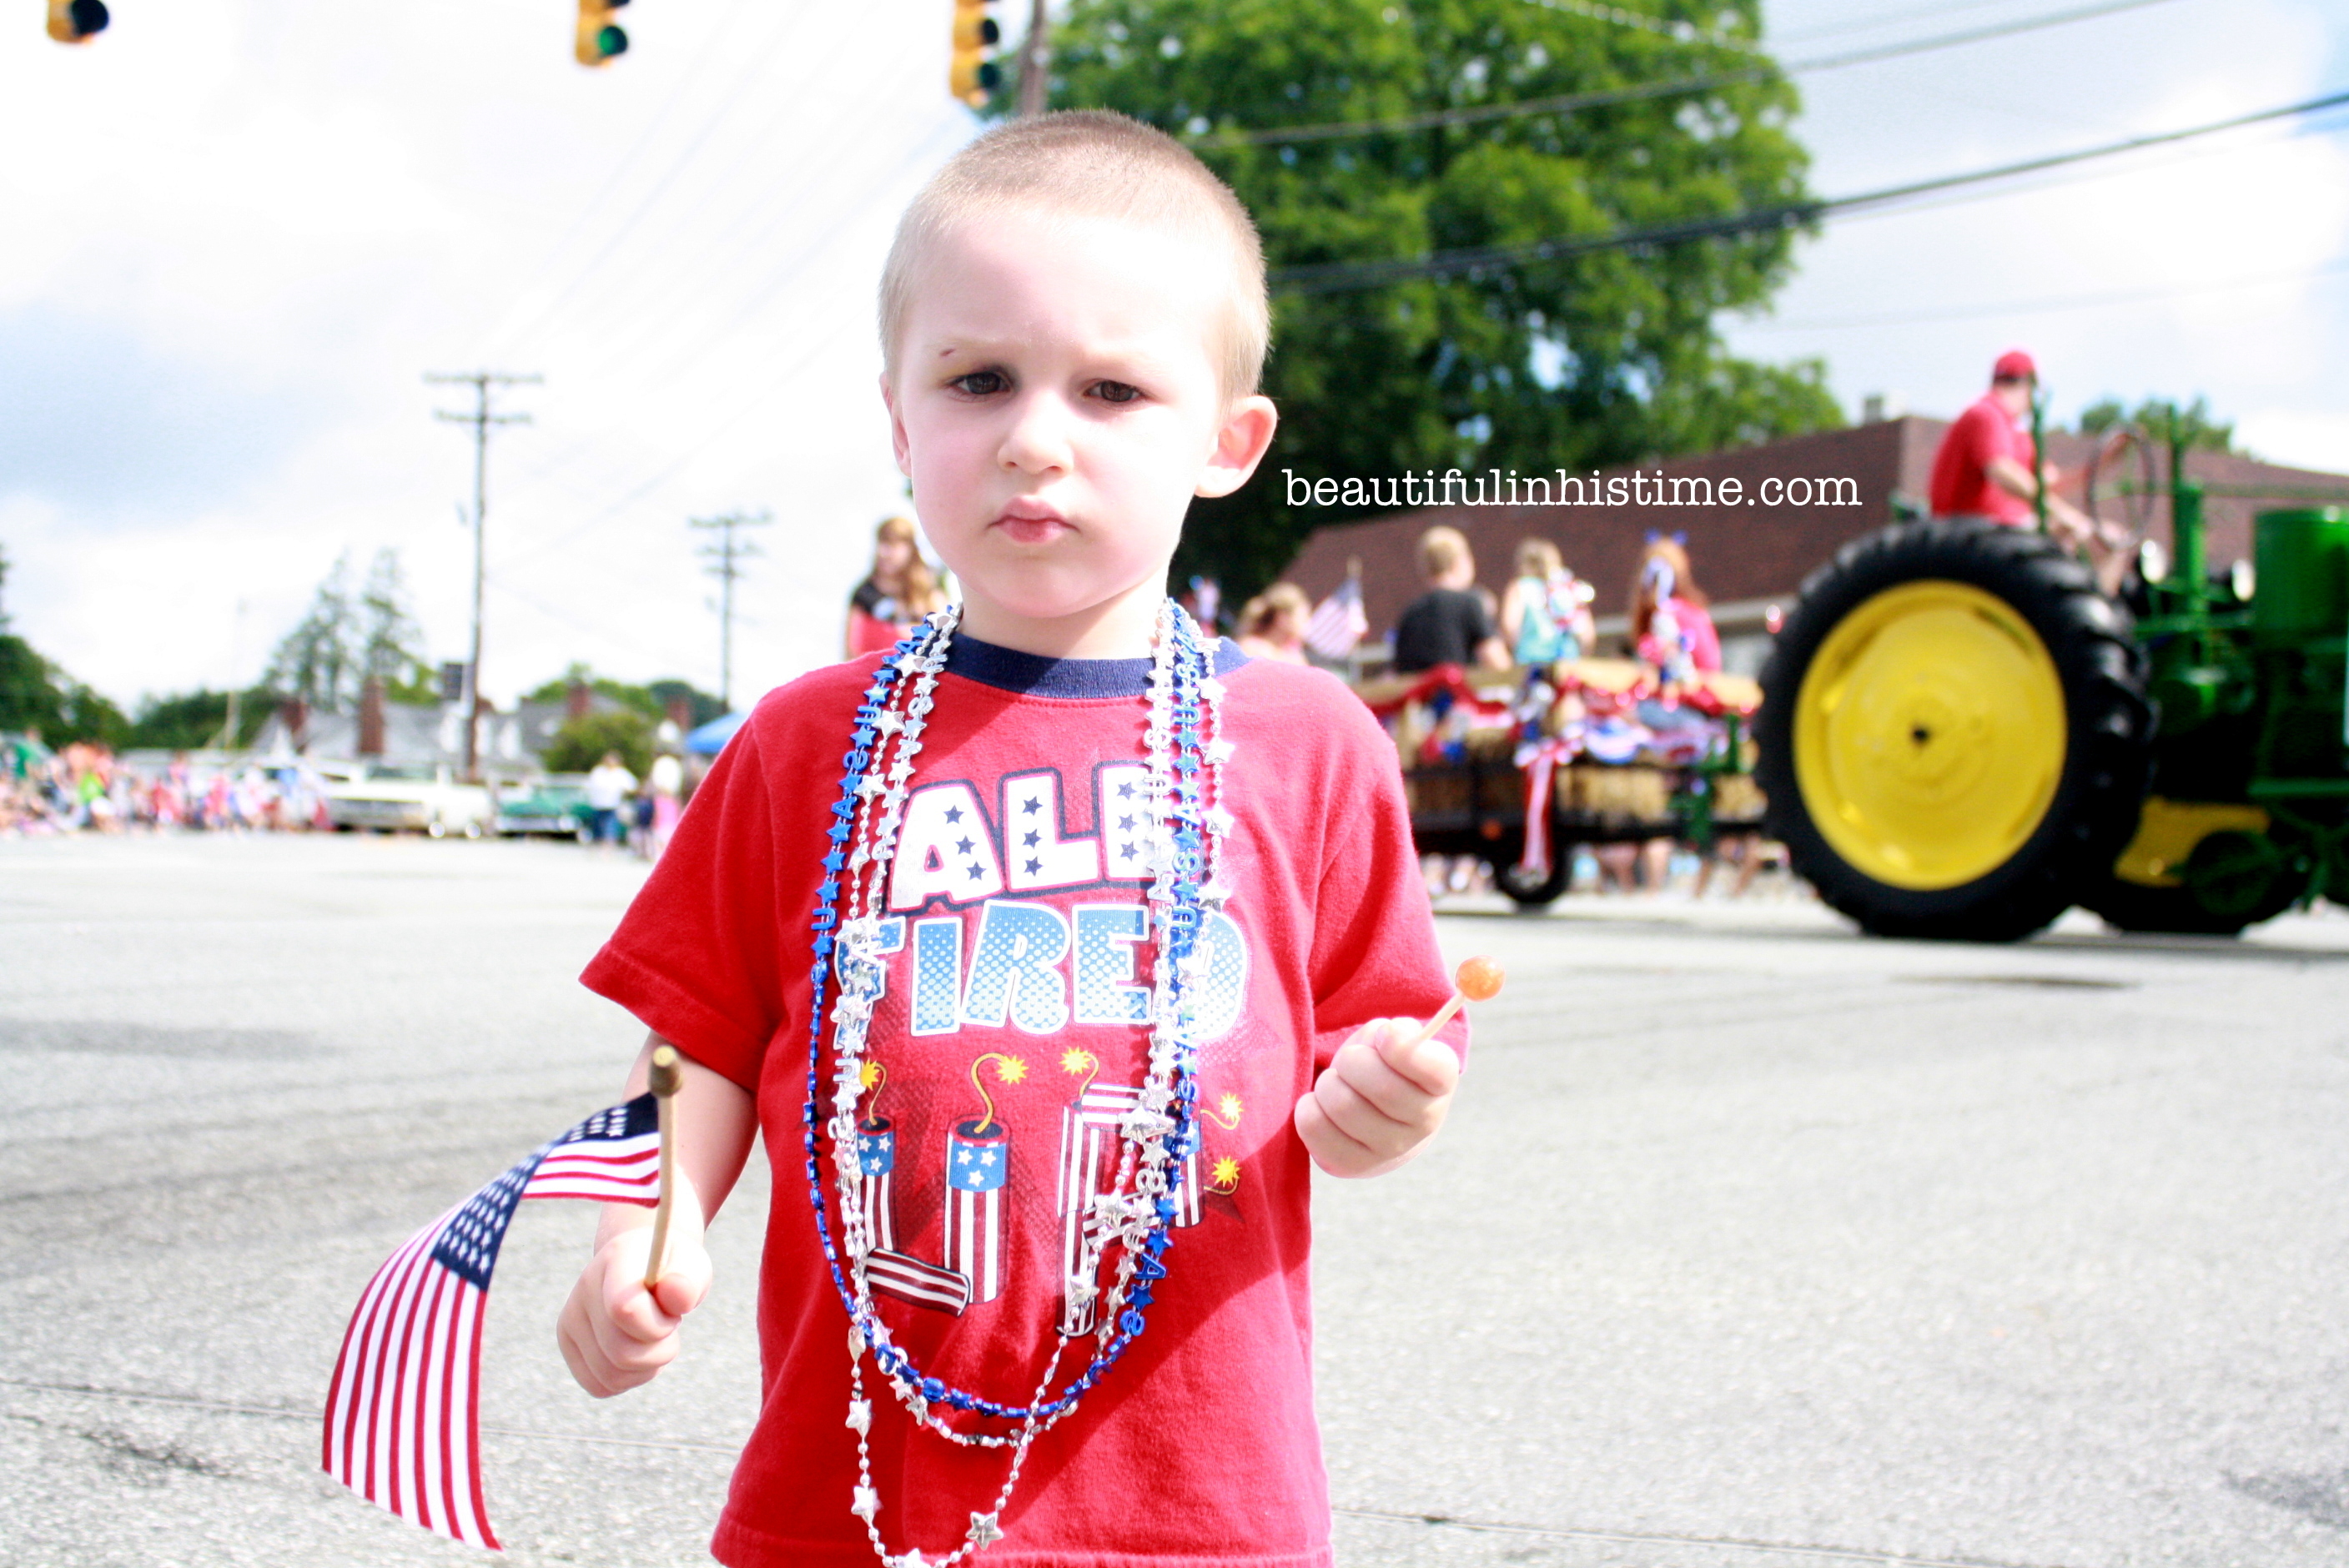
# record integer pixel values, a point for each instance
(1752, 1244)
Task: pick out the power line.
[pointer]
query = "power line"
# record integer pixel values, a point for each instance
(1686, 32)
(483, 421)
(778, 382)
(1884, 19)
(1334, 277)
(627, 162)
(725, 555)
(2031, 307)
(660, 187)
(783, 208)
(1568, 103)
(657, 658)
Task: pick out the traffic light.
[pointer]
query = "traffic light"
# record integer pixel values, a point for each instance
(76, 21)
(600, 37)
(974, 75)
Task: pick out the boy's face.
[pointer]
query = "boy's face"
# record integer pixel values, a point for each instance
(1057, 405)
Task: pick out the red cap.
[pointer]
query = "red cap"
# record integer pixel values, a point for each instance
(2014, 366)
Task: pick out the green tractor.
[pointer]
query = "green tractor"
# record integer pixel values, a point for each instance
(1962, 736)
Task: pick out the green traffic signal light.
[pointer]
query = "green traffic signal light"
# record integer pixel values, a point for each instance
(598, 40)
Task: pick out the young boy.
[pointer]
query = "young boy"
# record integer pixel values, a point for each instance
(1128, 931)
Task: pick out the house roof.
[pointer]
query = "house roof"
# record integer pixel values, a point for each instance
(1745, 551)
(430, 732)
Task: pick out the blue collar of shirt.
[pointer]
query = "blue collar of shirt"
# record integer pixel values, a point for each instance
(1034, 675)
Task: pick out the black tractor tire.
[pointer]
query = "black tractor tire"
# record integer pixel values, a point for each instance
(2108, 727)
(2162, 911)
(2193, 909)
(1530, 893)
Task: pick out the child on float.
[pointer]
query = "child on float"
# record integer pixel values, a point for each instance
(1545, 614)
(1071, 1071)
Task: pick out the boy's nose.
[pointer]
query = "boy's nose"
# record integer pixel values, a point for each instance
(1037, 439)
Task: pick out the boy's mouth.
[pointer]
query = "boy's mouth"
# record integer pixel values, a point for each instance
(1031, 522)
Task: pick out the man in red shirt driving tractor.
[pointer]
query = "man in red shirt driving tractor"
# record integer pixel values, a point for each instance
(1988, 464)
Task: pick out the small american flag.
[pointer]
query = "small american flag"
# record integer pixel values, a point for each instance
(403, 1416)
(1338, 622)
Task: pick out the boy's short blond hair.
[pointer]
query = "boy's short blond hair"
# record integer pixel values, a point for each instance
(1442, 549)
(1090, 163)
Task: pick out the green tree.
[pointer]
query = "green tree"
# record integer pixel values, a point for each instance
(347, 637)
(2195, 422)
(390, 640)
(1603, 357)
(186, 721)
(317, 662)
(651, 699)
(35, 697)
(581, 743)
(705, 705)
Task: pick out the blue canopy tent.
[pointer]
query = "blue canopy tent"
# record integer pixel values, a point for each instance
(710, 739)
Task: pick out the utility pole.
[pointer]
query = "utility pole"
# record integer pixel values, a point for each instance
(481, 419)
(224, 739)
(724, 557)
(1034, 58)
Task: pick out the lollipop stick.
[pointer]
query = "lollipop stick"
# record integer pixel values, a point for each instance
(663, 1082)
(1478, 979)
(1443, 1017)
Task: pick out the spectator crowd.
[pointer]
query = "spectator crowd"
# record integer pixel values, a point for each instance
(85, 787)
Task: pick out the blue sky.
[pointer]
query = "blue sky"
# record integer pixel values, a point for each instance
(250, 226)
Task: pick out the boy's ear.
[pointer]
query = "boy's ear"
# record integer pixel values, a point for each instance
(898, 442)
(1241, 445)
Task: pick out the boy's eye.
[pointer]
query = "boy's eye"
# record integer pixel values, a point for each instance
(979, 382)
(1115, 392)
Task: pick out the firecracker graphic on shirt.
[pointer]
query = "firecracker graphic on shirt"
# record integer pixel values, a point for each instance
(888, 1271)
(1090, 1142)
(1223, 1178)
(876, 1163)
(979, 1167)
(1091, 1130)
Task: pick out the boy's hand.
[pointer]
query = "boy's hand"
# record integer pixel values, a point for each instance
(1378, 1100)
(615, 1334)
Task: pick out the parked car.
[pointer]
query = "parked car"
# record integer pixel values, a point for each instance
(416, 797)
(555, 806)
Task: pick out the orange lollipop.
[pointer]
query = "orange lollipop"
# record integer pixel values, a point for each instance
(1479, 979)
(1476, 980)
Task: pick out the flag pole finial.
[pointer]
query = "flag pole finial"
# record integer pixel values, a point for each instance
(663, 1077)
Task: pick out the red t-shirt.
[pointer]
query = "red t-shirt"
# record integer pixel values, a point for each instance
(1023, 936)
(1962, 485)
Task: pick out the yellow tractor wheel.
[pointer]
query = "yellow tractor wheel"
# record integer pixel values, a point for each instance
(1954, 732)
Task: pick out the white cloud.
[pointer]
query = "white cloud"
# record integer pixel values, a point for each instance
(2297, 437)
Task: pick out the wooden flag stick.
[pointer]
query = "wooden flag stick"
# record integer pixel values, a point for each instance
(663, 1079)
(1477, 980)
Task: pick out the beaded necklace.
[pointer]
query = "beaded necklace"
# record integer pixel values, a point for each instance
(1186, 820)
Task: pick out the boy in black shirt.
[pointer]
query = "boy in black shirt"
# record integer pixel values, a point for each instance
(1449, 623)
